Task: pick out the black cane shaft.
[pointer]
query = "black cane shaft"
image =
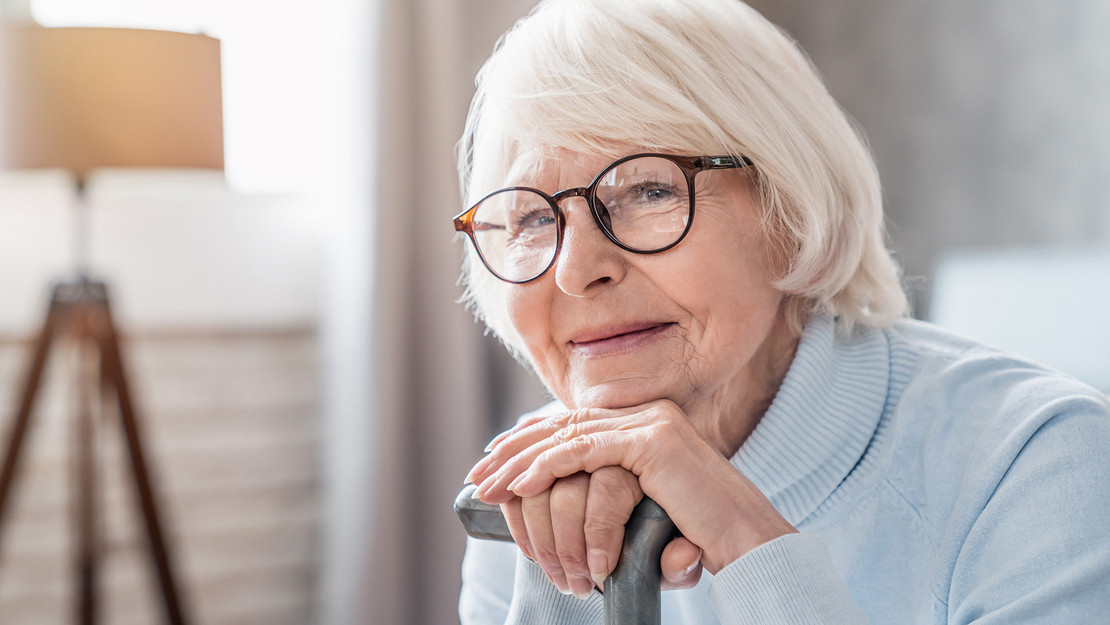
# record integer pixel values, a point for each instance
(632, 591)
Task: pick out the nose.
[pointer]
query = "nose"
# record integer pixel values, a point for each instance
(588, 260)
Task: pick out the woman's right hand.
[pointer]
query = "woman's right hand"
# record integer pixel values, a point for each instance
(575, 529)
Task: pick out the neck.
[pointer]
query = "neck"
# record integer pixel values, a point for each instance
(734, 409)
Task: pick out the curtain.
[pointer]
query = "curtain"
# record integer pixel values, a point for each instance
(441, 388)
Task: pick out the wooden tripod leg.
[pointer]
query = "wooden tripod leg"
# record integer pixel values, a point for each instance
(114, 376)
(88, 547)
(27, 403)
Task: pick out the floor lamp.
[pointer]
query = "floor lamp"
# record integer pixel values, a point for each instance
(81, 99)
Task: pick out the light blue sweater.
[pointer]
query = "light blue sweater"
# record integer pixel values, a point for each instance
(933, 480)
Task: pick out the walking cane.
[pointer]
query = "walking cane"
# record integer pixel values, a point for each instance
(632, 591)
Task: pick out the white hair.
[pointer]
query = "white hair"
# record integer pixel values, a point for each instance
(695, 77)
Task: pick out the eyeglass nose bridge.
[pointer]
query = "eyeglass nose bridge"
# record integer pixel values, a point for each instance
(597, 211)
(566, 194)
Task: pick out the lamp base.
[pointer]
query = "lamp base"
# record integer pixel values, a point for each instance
(80, 310)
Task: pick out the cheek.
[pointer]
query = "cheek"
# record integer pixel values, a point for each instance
(730, 298)
(523, 307)
(529, 313)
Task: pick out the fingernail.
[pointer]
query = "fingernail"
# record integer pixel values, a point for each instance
(690, 569)
(500, 437)
(599, 565)
(516, 482)
(582, 596)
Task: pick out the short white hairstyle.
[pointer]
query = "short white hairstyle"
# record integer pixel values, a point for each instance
(694, 77)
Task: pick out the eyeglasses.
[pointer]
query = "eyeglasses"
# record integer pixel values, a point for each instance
(644, 204)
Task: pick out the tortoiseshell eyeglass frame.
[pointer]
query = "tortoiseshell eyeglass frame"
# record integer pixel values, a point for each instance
(690, 166)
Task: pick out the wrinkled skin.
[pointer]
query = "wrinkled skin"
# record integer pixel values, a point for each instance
(666, 362)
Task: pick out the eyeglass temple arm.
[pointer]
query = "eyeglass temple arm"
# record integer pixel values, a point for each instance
(632, 591)
(725, 162)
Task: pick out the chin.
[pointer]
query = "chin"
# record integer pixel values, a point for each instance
(620, 394)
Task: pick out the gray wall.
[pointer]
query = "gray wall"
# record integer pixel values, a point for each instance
(15, 9)
(990, 120)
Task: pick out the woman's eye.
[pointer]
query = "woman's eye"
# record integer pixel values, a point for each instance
(656, 195)
(652, 193)
(535, 219)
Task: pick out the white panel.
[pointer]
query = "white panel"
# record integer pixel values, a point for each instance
(1050, 305)
(178, 249)
(36, 245)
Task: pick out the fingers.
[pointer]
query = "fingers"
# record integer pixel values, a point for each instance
(514, 518)
(568, 516)
(588, 452)
(554, 522)
(575, 531)
(541, 536)
(715, 507)
(520, 425)
(484, 467)
(613, 494)
(583, 440)
(509, 457)
(494, 488)
(513, 451)
(681, 563)
(552, 528)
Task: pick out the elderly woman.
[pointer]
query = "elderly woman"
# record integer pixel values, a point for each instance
(677, 228)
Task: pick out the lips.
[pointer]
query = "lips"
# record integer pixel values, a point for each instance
(618, 339)
(593, 336)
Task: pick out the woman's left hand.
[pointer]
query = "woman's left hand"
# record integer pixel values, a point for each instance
(711, 503)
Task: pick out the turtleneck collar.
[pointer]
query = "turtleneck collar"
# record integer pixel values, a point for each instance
(821, 420)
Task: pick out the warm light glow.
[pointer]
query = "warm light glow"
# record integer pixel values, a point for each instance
(272, 77)
(87, 98)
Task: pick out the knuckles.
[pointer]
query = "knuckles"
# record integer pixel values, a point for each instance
(616, 484)
(570, 492)
(604, 528)
(572, 561)
(567, 433)
(547, 556)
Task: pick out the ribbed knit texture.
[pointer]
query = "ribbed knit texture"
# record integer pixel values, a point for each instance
(933, 480)
(821, 421)
(775, 583)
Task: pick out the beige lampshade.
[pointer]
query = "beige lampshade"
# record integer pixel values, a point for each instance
(82, 98)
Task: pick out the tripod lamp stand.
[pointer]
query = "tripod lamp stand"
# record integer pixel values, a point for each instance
(81, 99)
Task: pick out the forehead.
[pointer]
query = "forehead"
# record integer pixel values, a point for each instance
(557, 166)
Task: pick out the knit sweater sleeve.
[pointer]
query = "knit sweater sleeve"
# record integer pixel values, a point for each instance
(790, 580)
(501, 586)
(487, 582)
(536, 601)
(1037, 544)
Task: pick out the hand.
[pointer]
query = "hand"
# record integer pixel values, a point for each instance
(575, 530)
(714, 506)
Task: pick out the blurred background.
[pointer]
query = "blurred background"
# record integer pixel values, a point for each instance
(311, 391)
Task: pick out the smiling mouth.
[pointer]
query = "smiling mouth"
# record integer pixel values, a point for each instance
(619, 342)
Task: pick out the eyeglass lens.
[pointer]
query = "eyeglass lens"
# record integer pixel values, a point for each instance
(644, 203)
